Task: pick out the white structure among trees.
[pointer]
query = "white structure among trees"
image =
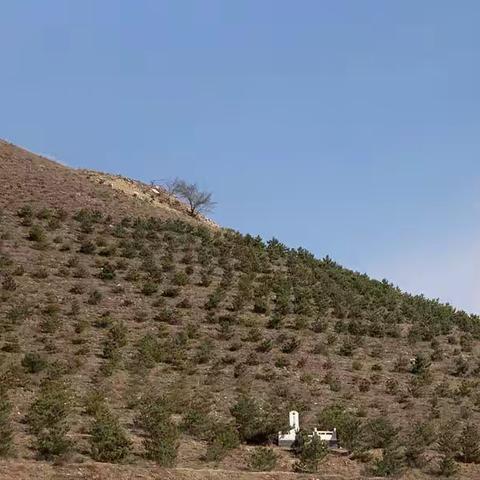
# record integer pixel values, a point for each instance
(286, 440)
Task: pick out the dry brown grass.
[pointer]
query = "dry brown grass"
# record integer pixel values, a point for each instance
(53, 275)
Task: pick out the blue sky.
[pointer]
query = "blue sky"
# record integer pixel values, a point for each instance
(348, 127)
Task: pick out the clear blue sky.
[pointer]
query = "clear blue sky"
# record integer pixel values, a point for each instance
(351, 128)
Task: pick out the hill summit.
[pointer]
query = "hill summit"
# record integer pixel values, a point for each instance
(134, 334)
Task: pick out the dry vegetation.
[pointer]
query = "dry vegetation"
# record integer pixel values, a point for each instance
(132, 334)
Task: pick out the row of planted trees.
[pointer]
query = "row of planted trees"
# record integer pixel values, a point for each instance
(306, 284)
(49, 417)
(48, 421)
(252, 422)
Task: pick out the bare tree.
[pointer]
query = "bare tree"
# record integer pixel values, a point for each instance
(198, 201)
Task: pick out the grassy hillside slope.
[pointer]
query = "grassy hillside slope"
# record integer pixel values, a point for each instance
(123, 321)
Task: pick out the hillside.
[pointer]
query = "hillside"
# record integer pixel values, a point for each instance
(119, 313)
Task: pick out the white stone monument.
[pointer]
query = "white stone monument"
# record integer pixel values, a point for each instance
(286, 440)
(327, 436)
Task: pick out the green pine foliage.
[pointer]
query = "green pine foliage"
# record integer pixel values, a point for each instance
(262, 459)
(347, 424)
(470, 443)
(48, 419)
(391, 463)
(267, 327)
(160, 434)
(108, 440)
(6, 429)
(447, 467)
(311, 453)
(222, 438)
(256, 423)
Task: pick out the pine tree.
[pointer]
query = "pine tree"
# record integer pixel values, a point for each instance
(447, 467)
(420, 436)
(447, 439)
(48, 419)
(223, 437)
(109, 442)
(254, 420)
(6, 431)
(420, 365)
(470, 444)
(262, 460)
(160, 433)
(311, 453)
(391, 463)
